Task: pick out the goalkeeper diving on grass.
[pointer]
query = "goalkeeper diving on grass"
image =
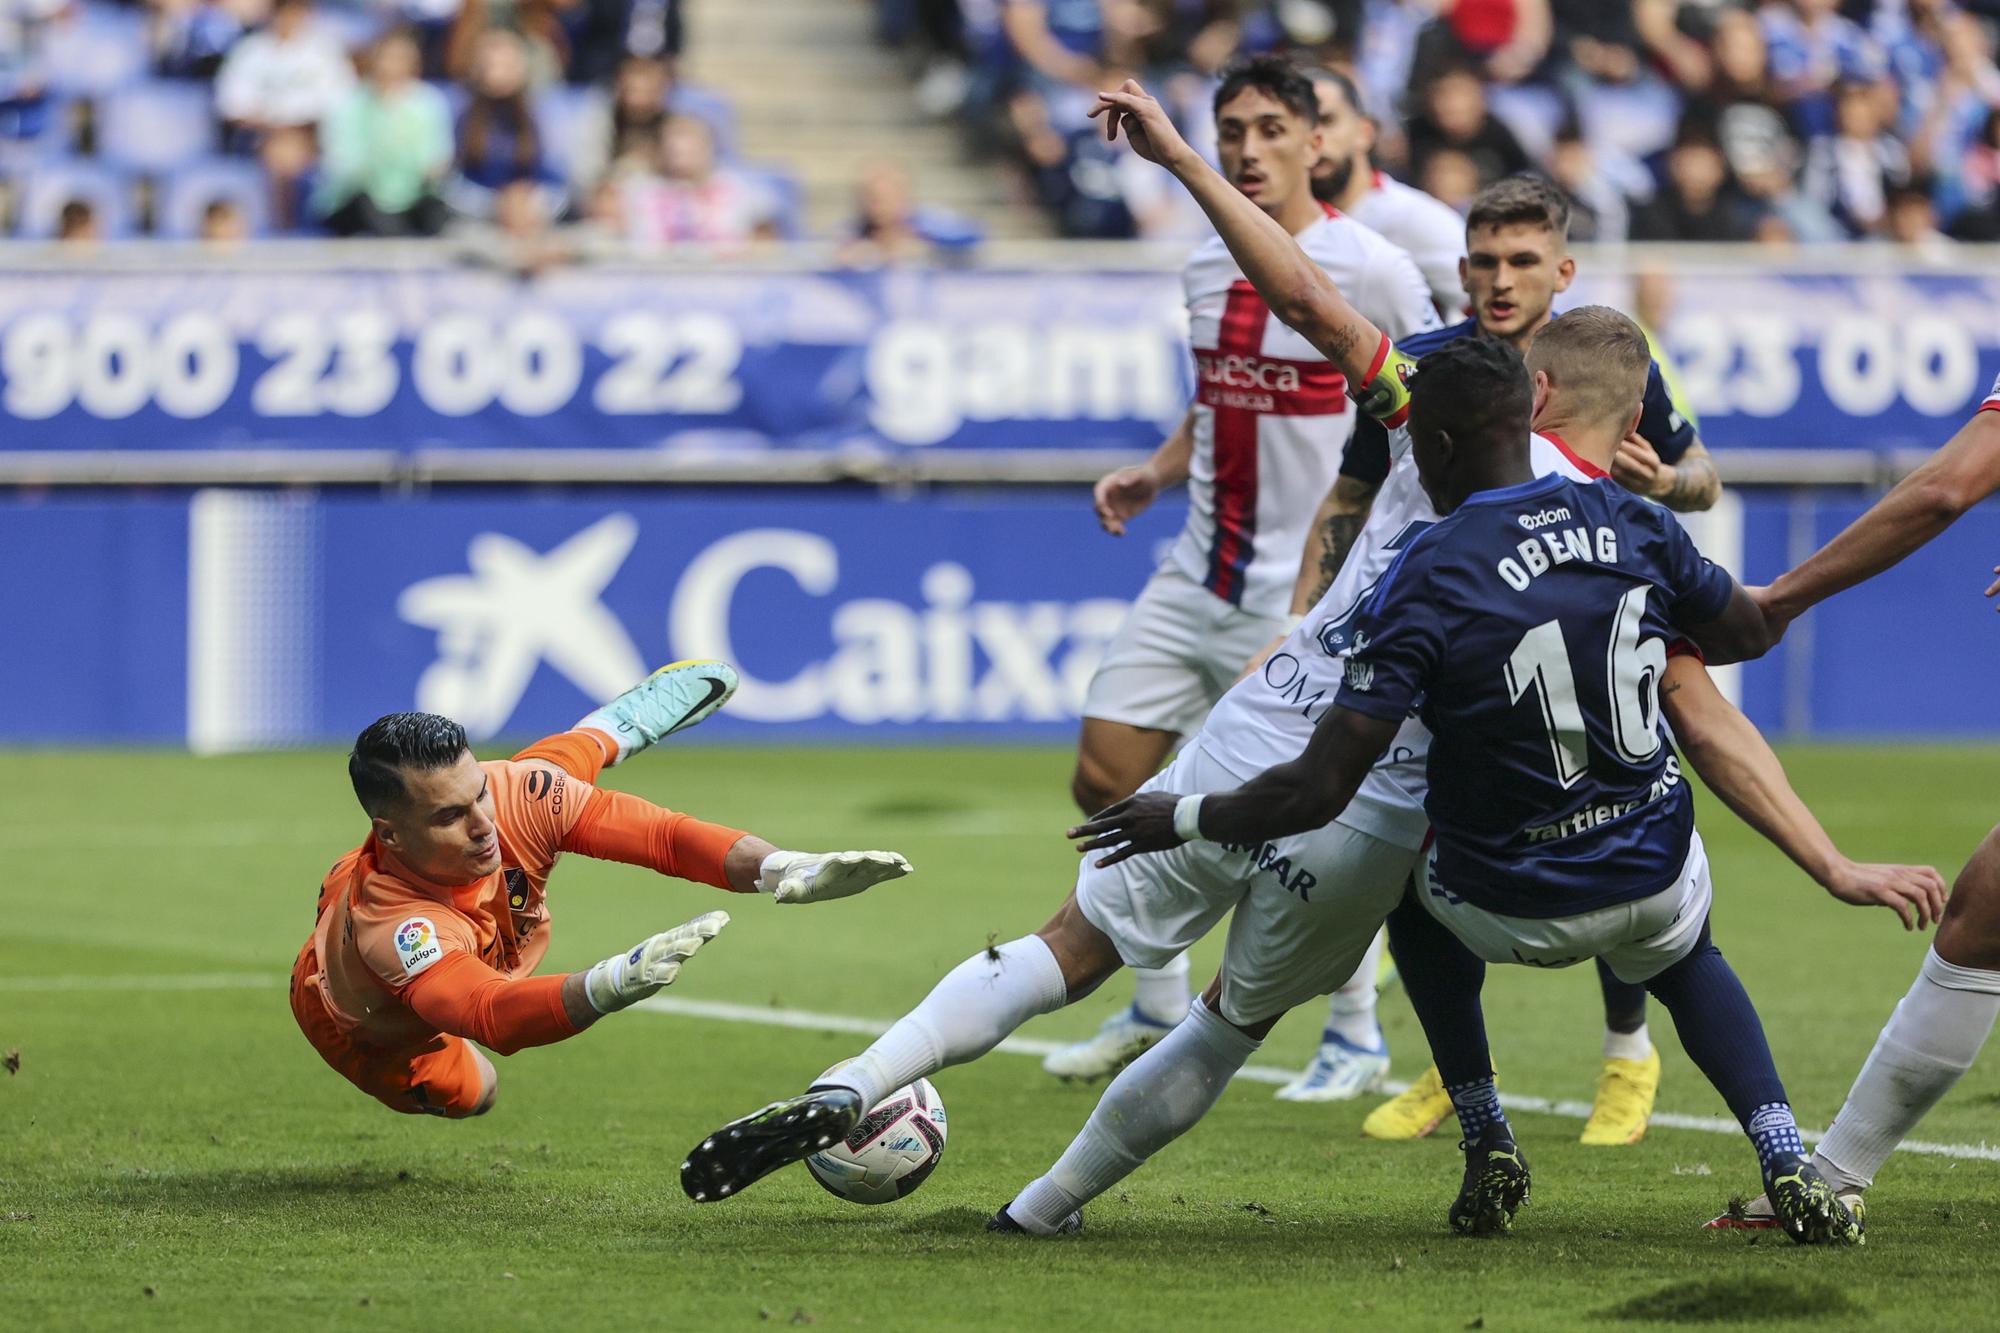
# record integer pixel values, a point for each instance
(429, 932)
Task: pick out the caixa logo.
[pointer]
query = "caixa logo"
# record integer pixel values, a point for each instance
(950, 658)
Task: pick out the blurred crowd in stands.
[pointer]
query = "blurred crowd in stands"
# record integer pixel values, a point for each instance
(530, 125)
(1670, 120)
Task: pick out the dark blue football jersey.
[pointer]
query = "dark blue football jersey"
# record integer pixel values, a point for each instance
(1529, 629)
(1661, 423)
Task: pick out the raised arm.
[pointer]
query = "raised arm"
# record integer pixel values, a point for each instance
(1955, 478)
(1306, 793)
(618, 826)
(1342, 515)
(1297, 290)
(1739, 766)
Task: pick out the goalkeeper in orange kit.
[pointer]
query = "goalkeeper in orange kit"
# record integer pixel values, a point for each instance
(429, 933)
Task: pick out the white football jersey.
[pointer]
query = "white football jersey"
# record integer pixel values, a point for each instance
(1271, 415)
(1430, 232)
(1267, 719)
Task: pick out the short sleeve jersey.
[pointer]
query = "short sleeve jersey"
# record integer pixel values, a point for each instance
(1530, 629)
(380, 928)
(1271, 414)
(1662, 423)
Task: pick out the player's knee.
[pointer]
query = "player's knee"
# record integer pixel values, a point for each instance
(1095, 784)
(1211, 1000)
(489, 1090)
(1969, 934)
(1083, 952)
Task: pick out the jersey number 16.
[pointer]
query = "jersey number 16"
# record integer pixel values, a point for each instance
(1633, 666)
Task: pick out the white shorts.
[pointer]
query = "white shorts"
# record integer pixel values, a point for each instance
(1179, 648)
(1306, 906)
(1637, 940)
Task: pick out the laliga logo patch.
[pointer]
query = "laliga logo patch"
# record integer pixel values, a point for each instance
(417, 944)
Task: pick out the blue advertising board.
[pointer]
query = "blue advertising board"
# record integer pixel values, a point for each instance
(721, 362)
(231, 619)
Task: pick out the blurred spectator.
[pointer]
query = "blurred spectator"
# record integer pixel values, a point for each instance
(1697, 201)
(1911, 35)
(1813, 47)
(1503, 40)
(692, 200)
(1849, 173)
(1764, 158)
(1912, 222)
(1452, 178)
(190, 38)
(1978, 219)
(890, 228)
(1059, 40)
(1966, 93)
(521, 238)
(603, 32)
(547, 44)
(1599, 211)
(24, 103)
(274, 87)
(622, 127)
(1455, 117)
(386, 149)
(499, 143)
(77, 224)
(223, 224)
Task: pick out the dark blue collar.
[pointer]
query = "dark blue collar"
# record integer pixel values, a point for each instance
(1521, 491)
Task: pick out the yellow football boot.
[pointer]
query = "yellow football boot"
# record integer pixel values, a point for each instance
(1412, 1114)
(1626, 1090)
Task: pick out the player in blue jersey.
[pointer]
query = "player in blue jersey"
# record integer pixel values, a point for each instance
(1516, 263)
(1529, 630)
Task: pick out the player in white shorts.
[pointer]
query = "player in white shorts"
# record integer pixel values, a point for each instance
(1300, 933)
(1258, 447)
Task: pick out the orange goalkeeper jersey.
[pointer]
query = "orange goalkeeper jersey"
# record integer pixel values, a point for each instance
(381, 928)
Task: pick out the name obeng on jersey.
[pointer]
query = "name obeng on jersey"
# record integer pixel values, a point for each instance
(1562, 547)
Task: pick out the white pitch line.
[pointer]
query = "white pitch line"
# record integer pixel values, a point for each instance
(805, 1020)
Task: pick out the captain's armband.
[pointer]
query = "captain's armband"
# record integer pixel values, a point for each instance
(1385, 394)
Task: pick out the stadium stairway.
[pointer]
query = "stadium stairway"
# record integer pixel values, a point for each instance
(813, 92)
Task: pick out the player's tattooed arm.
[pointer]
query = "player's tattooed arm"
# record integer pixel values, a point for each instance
(1307, 793)
(1739, 766)
(1695, 484)
(1342, 515)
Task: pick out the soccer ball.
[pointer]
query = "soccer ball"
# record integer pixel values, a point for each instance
(890, 1153)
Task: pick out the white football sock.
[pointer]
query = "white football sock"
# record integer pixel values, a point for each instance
(1931, 1039)
(978, 1003)
(1158, 1098)
(1634, 1045)
(1350, 1013)
(1161, 993)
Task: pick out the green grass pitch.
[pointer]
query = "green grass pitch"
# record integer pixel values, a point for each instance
(180, 1158)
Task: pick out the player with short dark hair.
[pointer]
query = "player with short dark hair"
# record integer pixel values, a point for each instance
(1564, 831)
(428, 934)
(1516, 263)
(1259, 444)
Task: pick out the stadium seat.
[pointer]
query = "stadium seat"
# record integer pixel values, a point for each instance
(713, 107)
(186, 194)
(45, 189)
(34, 130)
(562, 114)
(97, 48)
(787, 196)
(155, 126)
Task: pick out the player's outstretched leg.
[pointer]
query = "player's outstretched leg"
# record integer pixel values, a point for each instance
(1157, 1098)
(1932, 1038)
(677, 696)
(1628, 1082)
(1353, 1054)
(1720, 1029)
(968, 1013)
(1444, 980)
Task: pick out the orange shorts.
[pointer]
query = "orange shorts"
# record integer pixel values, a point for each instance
(441, 1076)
